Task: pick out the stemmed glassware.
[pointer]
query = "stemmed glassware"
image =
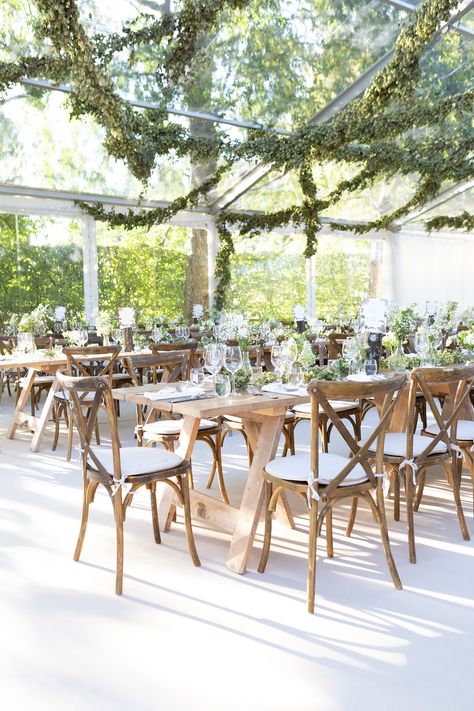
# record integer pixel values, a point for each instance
(289, 355)
(81, 337)
(276, 358)
(117, 335)
(182, 332)
(213, 359)
(156, 335)
(350, 351)
(422, 346)
(233, 363)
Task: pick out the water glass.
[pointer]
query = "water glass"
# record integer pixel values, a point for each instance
(222, 385)
(196, 376)
(370, 367)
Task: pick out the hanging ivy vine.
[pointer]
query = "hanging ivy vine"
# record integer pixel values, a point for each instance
(375, 131)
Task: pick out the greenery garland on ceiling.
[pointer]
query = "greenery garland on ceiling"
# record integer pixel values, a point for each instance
(375, 132)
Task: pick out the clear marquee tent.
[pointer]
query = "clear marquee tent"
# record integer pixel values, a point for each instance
(49, 161)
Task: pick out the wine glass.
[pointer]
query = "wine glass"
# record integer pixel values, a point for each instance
(183, 332)
(350, 351)
(289, 354)
(81, 337)
(233, 363)
(213, 356)
(276, 358)
(156, 335)
(117, 335)
(422, 346)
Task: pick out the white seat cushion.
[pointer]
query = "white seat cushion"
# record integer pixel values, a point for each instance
(137, 460)
(39, 380)
(337, 405)
(297, 468)
(233, 418)
(172, 427)
(87, 396)
(395, 445)
(464, 430)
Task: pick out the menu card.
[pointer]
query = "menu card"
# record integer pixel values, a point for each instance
(198, 311)
(373, 315)
(126, 317)
(59, 313)
(299, 312)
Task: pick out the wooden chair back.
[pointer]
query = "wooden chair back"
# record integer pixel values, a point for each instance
(459, 380)
(6, 346)
(321, 392)
(74, 389)
(186, 347)
(173, 364)
(96, 360)
(335, 341)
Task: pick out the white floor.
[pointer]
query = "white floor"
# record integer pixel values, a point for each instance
(204, 638)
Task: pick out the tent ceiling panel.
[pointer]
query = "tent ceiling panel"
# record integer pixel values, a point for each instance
(274, 63)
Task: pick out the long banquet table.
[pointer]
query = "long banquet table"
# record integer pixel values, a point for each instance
(263, 416)
(35, 363)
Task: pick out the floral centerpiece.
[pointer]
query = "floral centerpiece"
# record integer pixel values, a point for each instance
(37, 322)
(104, 325)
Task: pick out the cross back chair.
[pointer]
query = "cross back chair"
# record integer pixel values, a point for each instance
(188, 347)
(167, 431)
(324, 479)
(408, 455)
(83, 362)
(6, 348)
(121, 469)
(462, 435)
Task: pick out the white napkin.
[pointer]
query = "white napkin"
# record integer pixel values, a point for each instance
(282, 389)
(171, 393)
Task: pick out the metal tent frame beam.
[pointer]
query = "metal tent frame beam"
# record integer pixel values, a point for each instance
(65, 89)
(39, 201)
(440, 199)
(258, 172)
(411, 9)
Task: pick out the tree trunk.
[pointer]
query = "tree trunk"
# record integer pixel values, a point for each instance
(197, 273)
(197, 277)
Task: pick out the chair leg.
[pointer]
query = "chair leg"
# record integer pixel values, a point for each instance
(118, 512)
(87, 498)
(420, 489)
(329, 537)
(96, 430)
(292, 439)
(268, 528)
(454, 475)
(385, 539)
(56, 417)
(409, 493)
(70, 429)
(324, 437)
(358, 426)
(396, 493)
(187, 521)
(312, 549)
(352, 516)
(154, 513)
(220, 471)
